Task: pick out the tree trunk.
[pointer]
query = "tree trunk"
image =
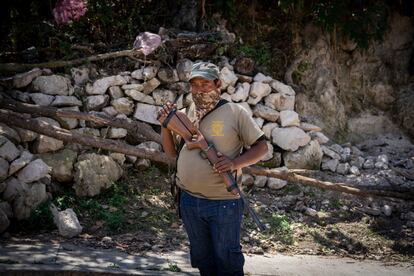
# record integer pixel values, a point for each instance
(70, 137)
(339, 187)
(140, 131)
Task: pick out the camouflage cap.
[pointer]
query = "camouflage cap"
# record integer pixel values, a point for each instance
(205, 70)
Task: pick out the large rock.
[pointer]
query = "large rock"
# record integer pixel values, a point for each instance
(114, 133)
(147, 113)
(23, 160)
(44, 143)
(34, 171)
(68, 123)
(100, 86)
(167, 75)
(61, 163)
(284, 99)
(289, 118)
(184, 69)
(161, 96)
(96, 102)
(290, 138)
(276, 183)
(20, 96)
(227, 77)
(123, 105)
(66, 221)
(115, 92)
(9, 133)
(4, 170)
(24, 79)
(133, 86)
(145, 73)
(80, 75)
(53, 85)
(4, 221)
(266, 113)
(42, 99)
(330, 165)
(94, 173)
(139, 96)
(6, 208)
(241, 93)
(26, 135)
(308, 157)
(258, 90)
(29, 199)
(259, 77)
(150, 146)
(268, 128)
(60, 101)
(8, 150)
(13, 188)
(150, 85)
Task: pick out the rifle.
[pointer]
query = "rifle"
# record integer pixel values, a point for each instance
(180, 124)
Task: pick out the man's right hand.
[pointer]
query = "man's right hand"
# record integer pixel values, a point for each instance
(164, 111)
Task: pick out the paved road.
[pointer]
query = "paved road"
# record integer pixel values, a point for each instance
(67, 259)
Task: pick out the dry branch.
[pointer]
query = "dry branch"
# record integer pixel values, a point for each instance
(19, 67)
(138, 130)
(339, 187)
(70, 137)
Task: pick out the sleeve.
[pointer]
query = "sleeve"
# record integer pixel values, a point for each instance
(249, 131)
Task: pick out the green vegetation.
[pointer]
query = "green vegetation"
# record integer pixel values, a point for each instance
(361, 21)
(261, 54)
(280, 228)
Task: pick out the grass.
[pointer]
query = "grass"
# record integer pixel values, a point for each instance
(280, 228)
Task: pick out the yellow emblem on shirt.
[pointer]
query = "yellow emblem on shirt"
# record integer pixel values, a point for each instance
(217, 128)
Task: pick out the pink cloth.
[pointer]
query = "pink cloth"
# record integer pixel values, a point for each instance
(147, 42)
(67, 10)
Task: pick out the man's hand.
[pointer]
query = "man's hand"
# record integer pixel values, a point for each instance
(224, 164)
(165, 110)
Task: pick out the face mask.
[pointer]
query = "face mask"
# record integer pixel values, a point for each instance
(206, 100)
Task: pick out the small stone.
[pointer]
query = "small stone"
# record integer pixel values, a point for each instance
(343, 168)
(260, 181)
(383, 158)
(369, 164)
(275, 183)
(115, 92)
(8, 150)
(354, 170)
(106, 239)
(330, 165)
(381, 165)
(386, 210)
(34, 171)
(311, 212)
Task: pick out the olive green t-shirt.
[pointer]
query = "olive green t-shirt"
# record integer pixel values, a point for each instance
(229, 128)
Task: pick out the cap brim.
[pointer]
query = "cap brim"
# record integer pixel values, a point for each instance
(204, 75)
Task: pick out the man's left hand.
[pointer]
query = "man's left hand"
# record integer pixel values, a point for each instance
(224, 164)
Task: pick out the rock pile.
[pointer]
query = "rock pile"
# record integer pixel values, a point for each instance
(138, 95)
(24, 179)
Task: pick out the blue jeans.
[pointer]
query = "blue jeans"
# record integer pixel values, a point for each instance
(213, 228)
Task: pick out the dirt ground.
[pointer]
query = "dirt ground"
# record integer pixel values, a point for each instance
(136, 216)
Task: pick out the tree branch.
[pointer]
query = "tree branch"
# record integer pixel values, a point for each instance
(339, 187)
(70, 137)
(140, 131)
(19, 67)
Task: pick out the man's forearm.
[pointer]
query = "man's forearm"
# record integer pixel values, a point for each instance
(251, 156)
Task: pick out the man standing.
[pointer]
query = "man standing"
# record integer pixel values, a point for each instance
(211, 215)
